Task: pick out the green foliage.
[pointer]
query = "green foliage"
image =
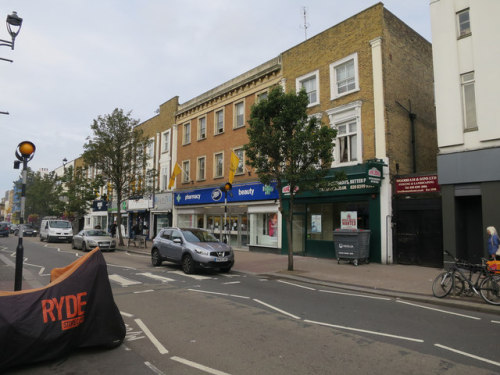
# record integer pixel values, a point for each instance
(117, 149)
(289, 147)
(42, 194)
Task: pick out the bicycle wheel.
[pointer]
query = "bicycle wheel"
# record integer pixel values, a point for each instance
(442, 284)
(490, 289)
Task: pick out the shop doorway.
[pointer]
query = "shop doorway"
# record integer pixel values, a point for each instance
(418, 233)
(469, 228)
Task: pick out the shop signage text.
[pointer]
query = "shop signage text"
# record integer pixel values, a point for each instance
(417, 184)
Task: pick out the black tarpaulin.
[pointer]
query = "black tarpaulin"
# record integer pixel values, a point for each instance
(76, 310)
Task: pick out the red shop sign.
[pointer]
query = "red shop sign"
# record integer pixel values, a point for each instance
(417, 184)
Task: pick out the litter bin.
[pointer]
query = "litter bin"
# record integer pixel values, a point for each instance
(352, 245)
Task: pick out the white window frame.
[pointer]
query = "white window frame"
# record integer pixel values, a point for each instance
(218, 130)
(165, 137)
(236, 125)
(202, 134)
(165, 175)
(186, 133)
(334, 92)
(299, 84)
(186, 165)
(261, 95)
(463, 32)
(470, 109)
(340, 115)
(216, 175)
(201, 176)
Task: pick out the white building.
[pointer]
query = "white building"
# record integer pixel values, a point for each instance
(466, 52)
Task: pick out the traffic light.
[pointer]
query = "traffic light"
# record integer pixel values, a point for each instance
(227, 187)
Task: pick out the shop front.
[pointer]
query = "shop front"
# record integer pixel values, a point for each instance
(247, 219)
(353, 203)
(98, 217)
(161, 212)
(113, 213)
(139, 216)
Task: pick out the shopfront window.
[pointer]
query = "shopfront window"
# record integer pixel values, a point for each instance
(186, 221)
(264, 229)
(324, 218)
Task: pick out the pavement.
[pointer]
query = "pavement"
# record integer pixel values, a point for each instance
(408, 282)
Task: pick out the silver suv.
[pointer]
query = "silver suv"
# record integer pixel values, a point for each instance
(192, 248)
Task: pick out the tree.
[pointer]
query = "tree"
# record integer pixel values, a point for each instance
(117, 149)
(289, 147)
(43, 192)
(78, 192)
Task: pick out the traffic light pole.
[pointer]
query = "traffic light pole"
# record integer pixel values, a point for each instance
(18, 281)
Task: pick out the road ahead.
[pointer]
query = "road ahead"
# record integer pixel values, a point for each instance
(242, 324)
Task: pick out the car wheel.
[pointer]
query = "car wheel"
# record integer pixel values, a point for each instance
(84, 247)
(155, 258)
(187, 264)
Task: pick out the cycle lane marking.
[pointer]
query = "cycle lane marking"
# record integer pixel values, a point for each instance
(468, 355)
(151, 337)
(198, 366)
(439, 310)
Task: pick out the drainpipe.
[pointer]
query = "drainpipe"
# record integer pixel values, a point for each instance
(412, 117)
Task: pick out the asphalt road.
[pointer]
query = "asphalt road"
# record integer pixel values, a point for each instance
(243, 324)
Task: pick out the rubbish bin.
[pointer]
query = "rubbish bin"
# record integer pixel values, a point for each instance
(352, 245)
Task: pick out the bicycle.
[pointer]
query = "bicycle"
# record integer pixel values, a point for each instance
(486, 284)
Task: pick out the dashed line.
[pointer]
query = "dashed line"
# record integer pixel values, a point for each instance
(277, 309)
(434, 309)
(297, 285)
(355, 295)
(198, 366)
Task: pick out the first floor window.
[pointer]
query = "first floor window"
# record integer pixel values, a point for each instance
(239, 113)
(241, 155)
(219, 165)
(347, 137)
(187, 133)
(202, 128)
(185, 172)
(344, 76)
(463, 21)
(201, 168)
(309, 83)
(164, 178)
(219, 122)
(469, 101)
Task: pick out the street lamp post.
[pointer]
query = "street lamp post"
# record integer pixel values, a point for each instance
(14, 23)
(24, 153)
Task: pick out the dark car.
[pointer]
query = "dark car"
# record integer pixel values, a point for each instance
(192, 248)
(13, 227)
(27, 229)
(4, 229)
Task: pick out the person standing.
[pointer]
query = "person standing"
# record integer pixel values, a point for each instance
(493, 242)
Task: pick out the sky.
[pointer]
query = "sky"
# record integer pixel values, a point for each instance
(75, 60)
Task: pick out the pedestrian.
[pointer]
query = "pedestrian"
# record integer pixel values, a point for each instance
(113, 229)
(493, 242)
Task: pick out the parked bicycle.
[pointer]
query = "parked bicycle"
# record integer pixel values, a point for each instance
(459, 279)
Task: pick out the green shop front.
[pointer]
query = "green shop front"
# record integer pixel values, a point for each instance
(354, 203)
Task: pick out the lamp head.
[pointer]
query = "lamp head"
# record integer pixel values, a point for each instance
(25, 151)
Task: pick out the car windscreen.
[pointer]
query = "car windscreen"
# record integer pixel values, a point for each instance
(198, 236)
(96, 233)
(60, 224)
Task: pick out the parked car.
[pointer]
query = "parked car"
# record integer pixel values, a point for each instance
(13, 227)
(4, 229)
(91, 238)
(192, 248)
(27, 229)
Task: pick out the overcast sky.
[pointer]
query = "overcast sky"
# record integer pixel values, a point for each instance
(75, 60)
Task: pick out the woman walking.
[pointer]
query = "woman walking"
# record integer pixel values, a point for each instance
(493, 242)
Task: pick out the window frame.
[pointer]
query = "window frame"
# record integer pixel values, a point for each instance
(334, 92)
(186, 173)
(341, 115)
(199, 176)
(465, 108)
(235, 114)
(299, 84)
(462, 33)
(165, 147)
(240, 171)
(186, 135)
(218, 131)
(200, 135)
(215, 164)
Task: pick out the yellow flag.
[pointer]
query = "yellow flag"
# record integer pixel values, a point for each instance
(233, 166)
(177, 170)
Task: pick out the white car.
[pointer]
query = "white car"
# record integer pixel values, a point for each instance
(91, 238)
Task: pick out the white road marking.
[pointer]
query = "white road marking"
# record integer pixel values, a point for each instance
(355, 295)
(219, 294)
(124, 267)
(198, 366)
(144, 291)
(196, 277)
(232, 282)
(277, 309)
(123, 281)
(468, 355)
(297, 285)
(156, 277)
(363, 331)
(439, 310)
(126, 314)
(495, 321)
(153, 368)
(151, 337)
